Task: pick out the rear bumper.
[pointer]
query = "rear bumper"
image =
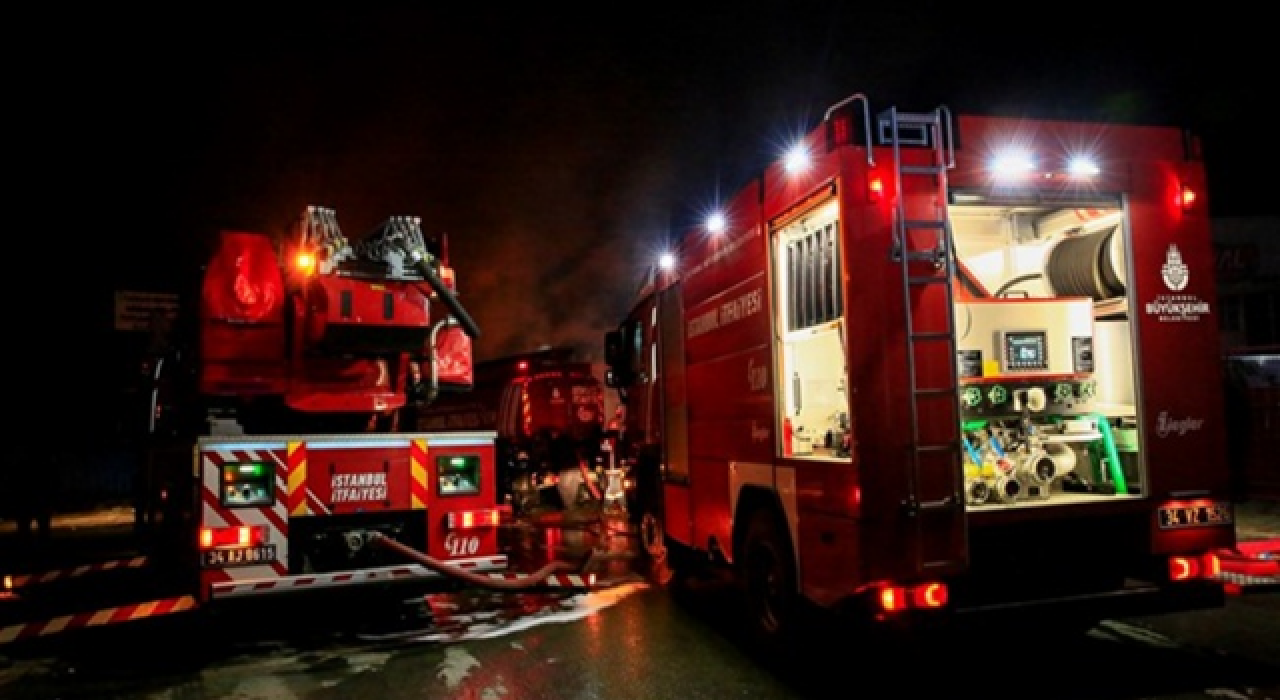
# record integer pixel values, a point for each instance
(404, 573)
(1134, 600)
(1067, 612)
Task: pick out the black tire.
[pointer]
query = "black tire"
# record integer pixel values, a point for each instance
(767, 577)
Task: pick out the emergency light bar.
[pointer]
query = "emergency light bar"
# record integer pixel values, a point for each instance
(1012, 164)
(1017, 163)
(1082, 166)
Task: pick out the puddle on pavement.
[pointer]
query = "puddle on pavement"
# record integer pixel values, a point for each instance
(484, 614)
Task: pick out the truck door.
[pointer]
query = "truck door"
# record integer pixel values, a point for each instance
(667, 355)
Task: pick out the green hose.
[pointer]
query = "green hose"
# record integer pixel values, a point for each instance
(1113, 458)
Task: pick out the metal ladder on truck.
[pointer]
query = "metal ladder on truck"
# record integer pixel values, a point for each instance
(935, 473)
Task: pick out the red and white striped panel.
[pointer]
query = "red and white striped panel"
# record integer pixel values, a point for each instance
(96, 618)
(554, 580)
(274, 519)
(405, 572)
(21, 580)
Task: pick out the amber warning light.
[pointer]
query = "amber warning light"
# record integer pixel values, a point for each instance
(305, 262)
(1186, 198)
(875, 188)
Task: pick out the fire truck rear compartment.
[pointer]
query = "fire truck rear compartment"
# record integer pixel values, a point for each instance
(340, 542)
(1045, 351)
(1046, 355)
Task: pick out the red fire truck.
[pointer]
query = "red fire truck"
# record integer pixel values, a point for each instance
(547, 409)
(275, 462)
(926, 368)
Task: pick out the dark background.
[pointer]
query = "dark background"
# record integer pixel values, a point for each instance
(559, 150)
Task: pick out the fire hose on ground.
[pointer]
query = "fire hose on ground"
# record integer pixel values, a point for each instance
(474, 578)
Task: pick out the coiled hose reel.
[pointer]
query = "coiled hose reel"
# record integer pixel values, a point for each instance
(1089, 265)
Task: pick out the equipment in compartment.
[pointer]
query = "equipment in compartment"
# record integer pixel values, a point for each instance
(1025, 459)
(1087, 265)
(1027, 394)
(1024, 337)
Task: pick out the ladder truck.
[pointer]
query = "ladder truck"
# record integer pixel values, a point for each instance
(275, 461)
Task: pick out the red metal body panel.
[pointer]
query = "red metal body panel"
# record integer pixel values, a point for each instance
(442, 542)
(329, 476)
(332, 303)
(359, 479)
(678, 517)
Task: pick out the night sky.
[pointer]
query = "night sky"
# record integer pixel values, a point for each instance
(558, 150)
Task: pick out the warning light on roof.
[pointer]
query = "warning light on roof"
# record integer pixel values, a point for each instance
(716, 223)
(305, 262)
(797, 159)
(1012, 165)
(667, 261)
(1082, 166)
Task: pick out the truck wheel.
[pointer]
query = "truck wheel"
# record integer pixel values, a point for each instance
(766, 573)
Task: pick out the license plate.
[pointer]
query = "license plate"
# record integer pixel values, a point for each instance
(1198, 515)
(240, 556)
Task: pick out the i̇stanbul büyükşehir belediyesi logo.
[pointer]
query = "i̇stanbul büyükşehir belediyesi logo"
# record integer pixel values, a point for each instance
(1176, 307)
(1176, 274)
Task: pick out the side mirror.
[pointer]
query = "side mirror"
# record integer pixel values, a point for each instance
(618, 360)
(612, 348)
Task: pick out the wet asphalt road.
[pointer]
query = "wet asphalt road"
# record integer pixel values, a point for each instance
(632, 640)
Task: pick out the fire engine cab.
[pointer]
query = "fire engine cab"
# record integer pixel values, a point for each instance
(926, 367)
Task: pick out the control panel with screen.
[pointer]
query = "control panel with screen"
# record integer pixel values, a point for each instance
(251, 484)
(458, 475)
(1025, 351)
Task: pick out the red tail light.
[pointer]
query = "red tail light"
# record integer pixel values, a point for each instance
(893, 599)
(242, 536)
(929, 595)
(471, 519)
(924, 596)
(1193, 567)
